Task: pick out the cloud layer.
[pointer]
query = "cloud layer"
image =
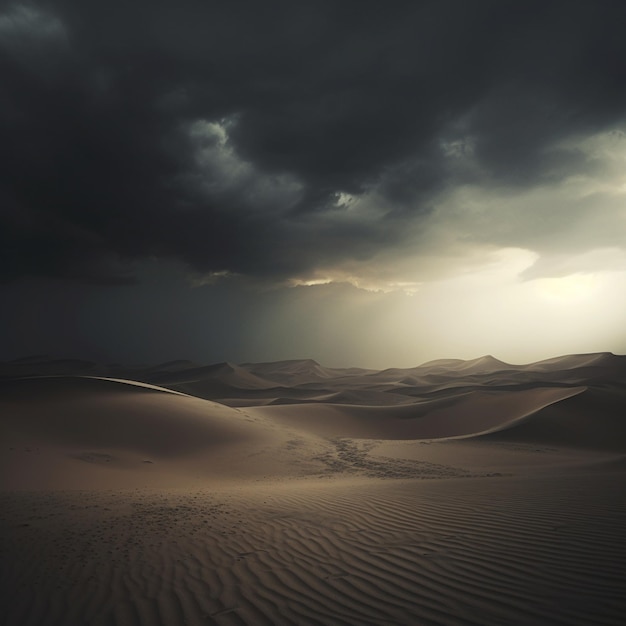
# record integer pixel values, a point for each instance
(309, 141)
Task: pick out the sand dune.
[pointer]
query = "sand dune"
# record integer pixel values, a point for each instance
(61, 432)
(232, 375)
(470, 414)
(575, 361)
(455, 492)
(109, 412)
(292, 372)
(592, 419)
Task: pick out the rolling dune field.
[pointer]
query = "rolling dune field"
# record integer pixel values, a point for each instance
(455, 492)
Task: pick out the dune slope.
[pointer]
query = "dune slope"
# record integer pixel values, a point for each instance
(79, 431)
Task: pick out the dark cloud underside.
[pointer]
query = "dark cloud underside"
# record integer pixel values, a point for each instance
(220, 134)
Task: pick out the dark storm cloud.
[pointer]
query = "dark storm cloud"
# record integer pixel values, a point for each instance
(220, 134)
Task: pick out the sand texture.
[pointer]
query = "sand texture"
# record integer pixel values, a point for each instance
(456, 492)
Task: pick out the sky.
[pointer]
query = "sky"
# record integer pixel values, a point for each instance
(362, 183)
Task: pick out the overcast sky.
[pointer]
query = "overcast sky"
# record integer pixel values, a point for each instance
(363, 183)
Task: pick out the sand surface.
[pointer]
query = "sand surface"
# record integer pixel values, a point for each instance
(456, 492)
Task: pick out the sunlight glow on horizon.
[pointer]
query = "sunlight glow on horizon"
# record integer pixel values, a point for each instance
(491, 309)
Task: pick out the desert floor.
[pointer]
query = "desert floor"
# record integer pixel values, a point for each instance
(456, 492)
